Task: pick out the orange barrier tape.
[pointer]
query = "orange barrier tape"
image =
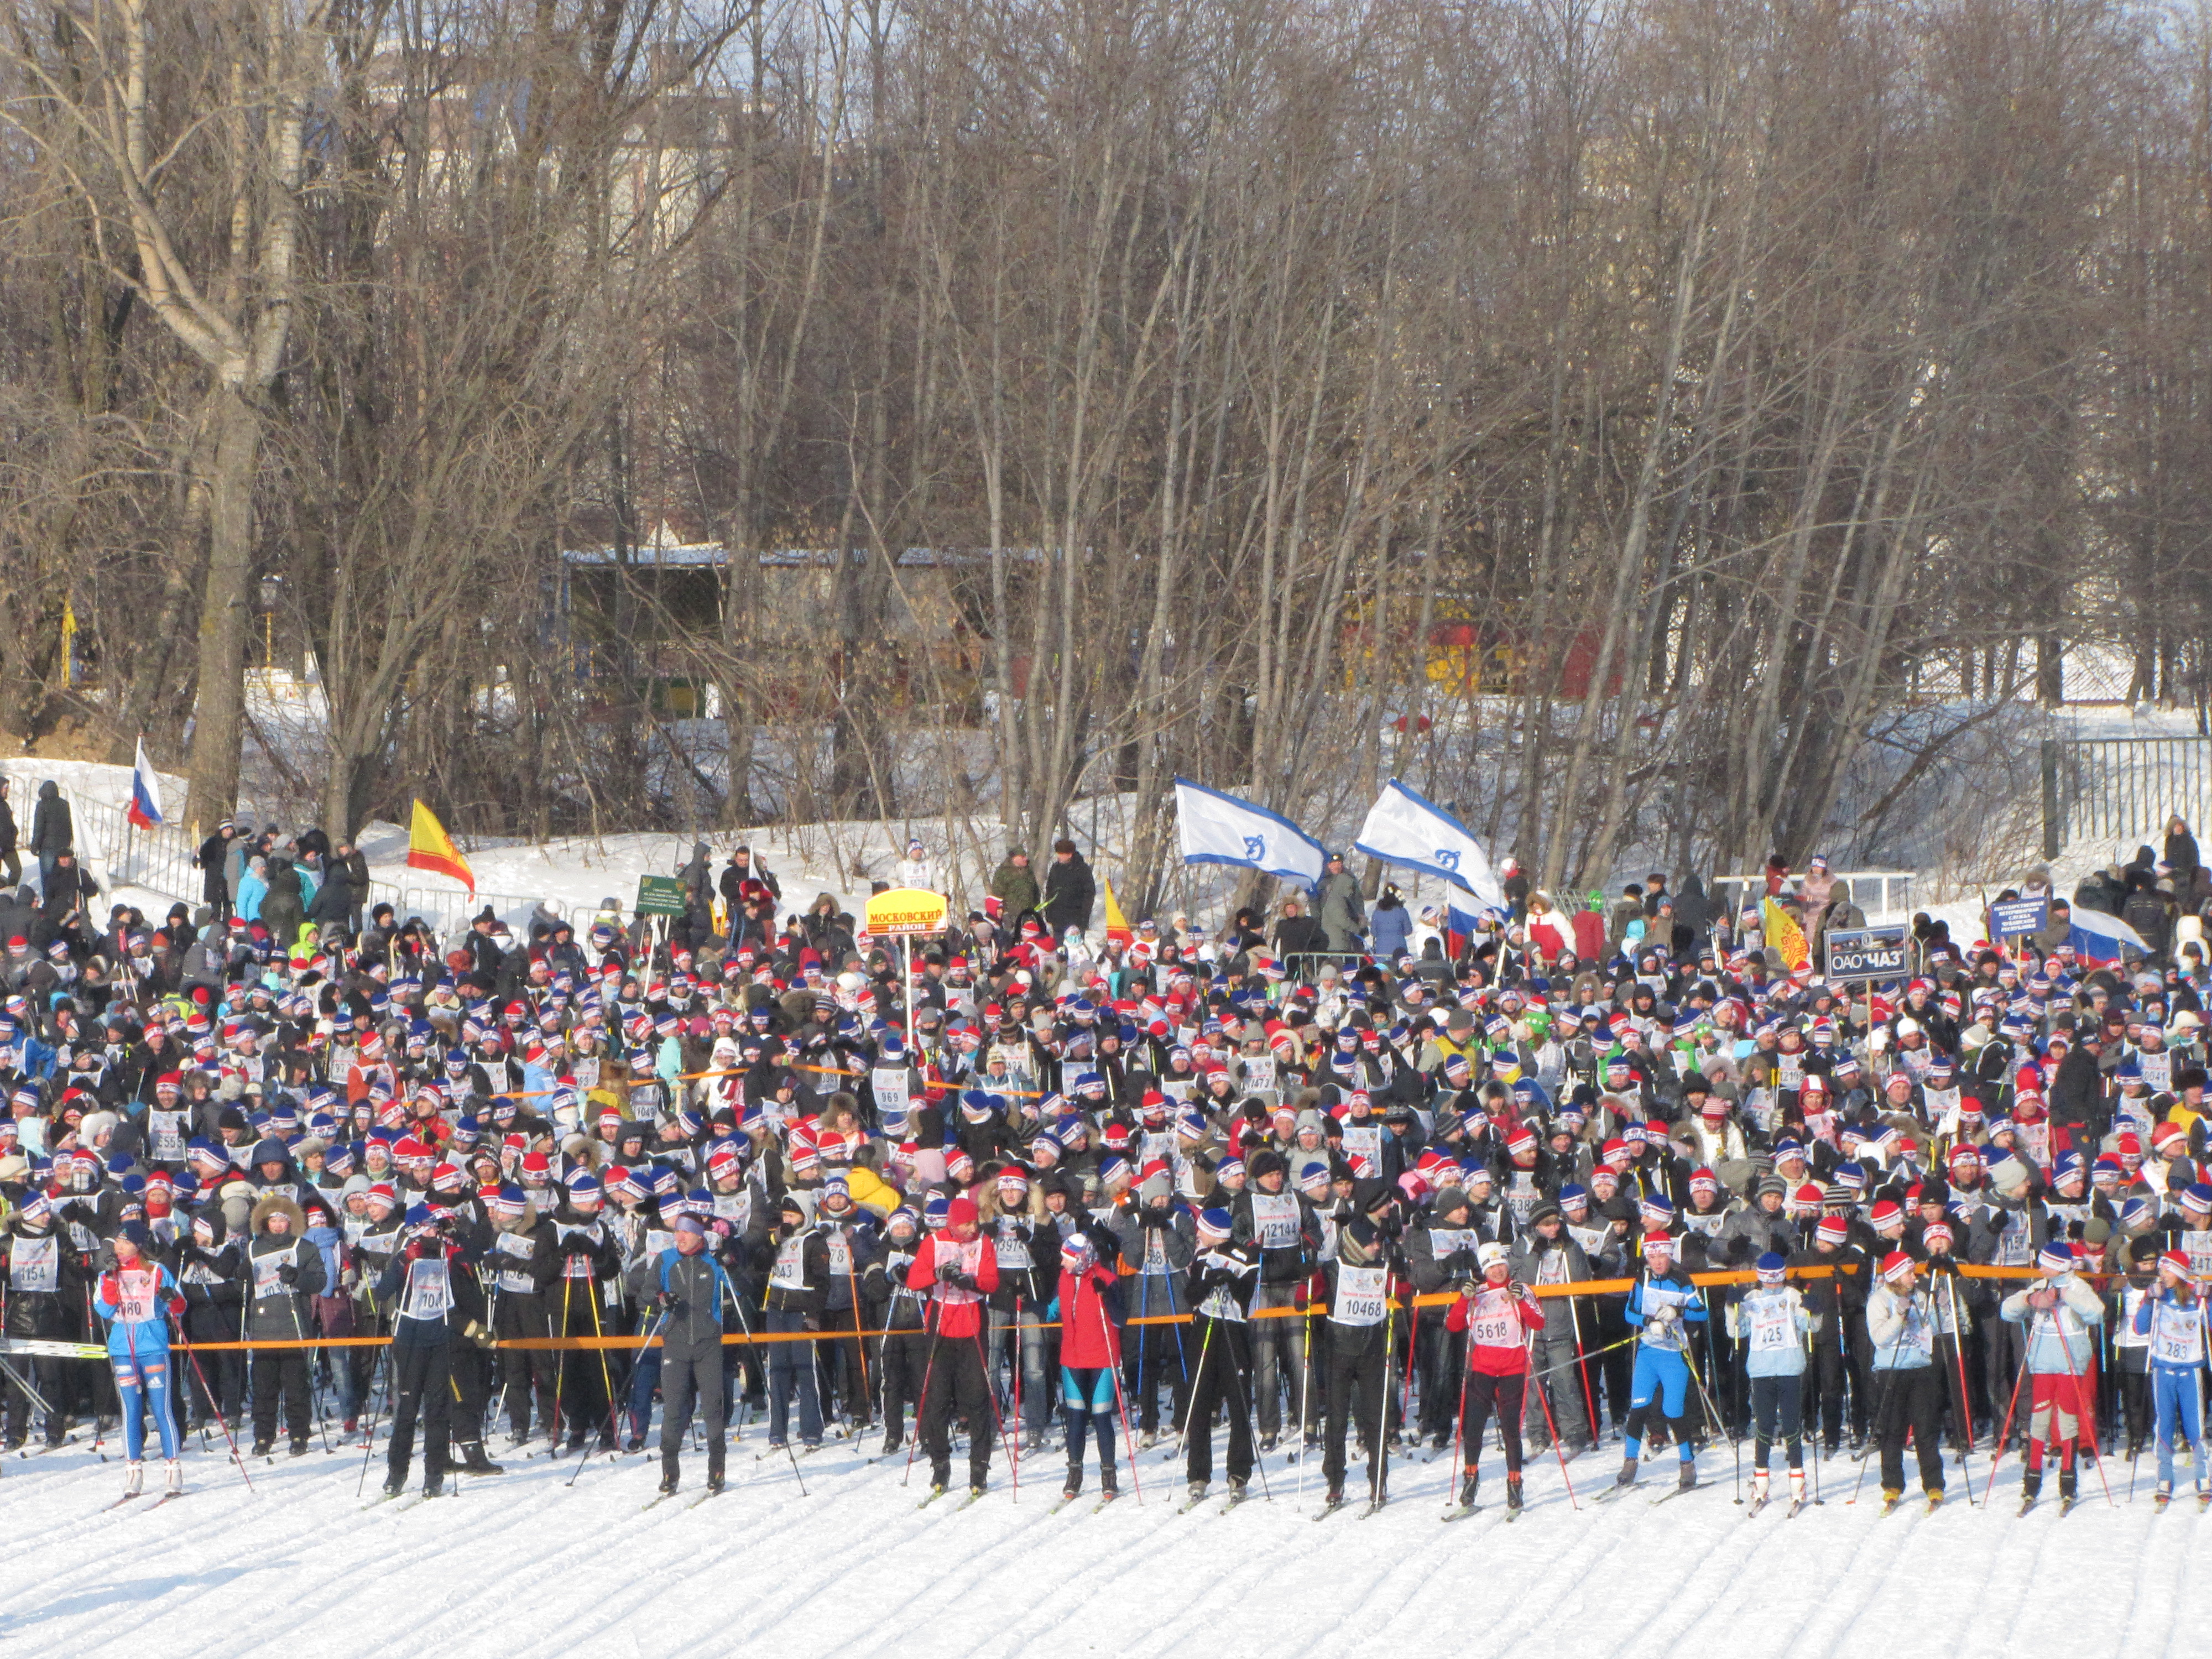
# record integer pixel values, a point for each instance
(1431, 1299)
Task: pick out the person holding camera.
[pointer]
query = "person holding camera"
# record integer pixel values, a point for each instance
(418, 1287)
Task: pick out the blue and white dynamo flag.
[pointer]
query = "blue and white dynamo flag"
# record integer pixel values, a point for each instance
(1402, 828)
(1219, 829)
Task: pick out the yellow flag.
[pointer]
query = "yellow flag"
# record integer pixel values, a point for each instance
(429, 848)
(1784, 934)
(1117, 925)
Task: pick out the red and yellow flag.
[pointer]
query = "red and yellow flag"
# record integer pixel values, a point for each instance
(429, 848)
(1118, 931)
(1784, 934)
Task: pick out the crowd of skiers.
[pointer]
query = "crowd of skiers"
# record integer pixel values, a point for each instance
(1056, 1190)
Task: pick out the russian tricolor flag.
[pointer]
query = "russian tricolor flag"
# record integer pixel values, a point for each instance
(2097, 937)
(145, 809)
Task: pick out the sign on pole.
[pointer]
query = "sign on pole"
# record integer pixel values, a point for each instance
(906, 910)
(661, 896)
(1866, 954)
(2017, 916)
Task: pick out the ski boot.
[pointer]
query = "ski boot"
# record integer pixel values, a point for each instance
(300, 1446)
(1512, 1492)
(1688, 1477)
(1627, 1475)
(434, 1485)
(668, 1484)
(1073, 1485)
(134, 1479)
(173, 1477)
(474, 1462)
(1466, 1489)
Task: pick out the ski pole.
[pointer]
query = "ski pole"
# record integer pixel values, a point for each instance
(1378, 1458)
(928, 1370)
(1120, 1400)
(1550, 1427)
(29, 1392)
(229, 1439)
(1735, 1444)
(1241, 1399)
(375, 1409)
(2084, 1419)
(998, 1419)
(1997, 1455)
(292, 1302)
(1965, 1412)
(1882, 1395)
(1459, 1424)
(560, 1366)
(1581, 1361)
(1183, 1435)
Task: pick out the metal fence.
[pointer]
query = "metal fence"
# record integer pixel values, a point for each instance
(159, 859)
(448, 913)
(2121, 790)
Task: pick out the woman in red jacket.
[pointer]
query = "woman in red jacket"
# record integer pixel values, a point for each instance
(1089, 1362)
(1498, 1316)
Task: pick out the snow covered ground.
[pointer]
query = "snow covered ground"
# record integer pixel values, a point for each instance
(518, 1565)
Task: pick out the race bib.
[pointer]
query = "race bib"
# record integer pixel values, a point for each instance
(736, 1208)
(515, 1251)
(2157, 1071)
(2197, 1247)
(166, 1131)
(1521, 1195)
(1491, 1321)
(790, 1272)
(1258, 1072)
(2177, 1336)
(841, 1254)
(1592, 1239)
(1770, 1324)
(1789, 1071)
(135, 1288)
(429, 1291)
(1275, 1218)
(891, 1086)
(35, 1264)
(1360, 1295)
(1447, 1241)
(1013, 1253)
(265, 1282)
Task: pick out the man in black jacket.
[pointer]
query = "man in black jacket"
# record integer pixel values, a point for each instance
(1070, 890)
(53, 832)
(11, 867)
(417, 1286)
(214, 862)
